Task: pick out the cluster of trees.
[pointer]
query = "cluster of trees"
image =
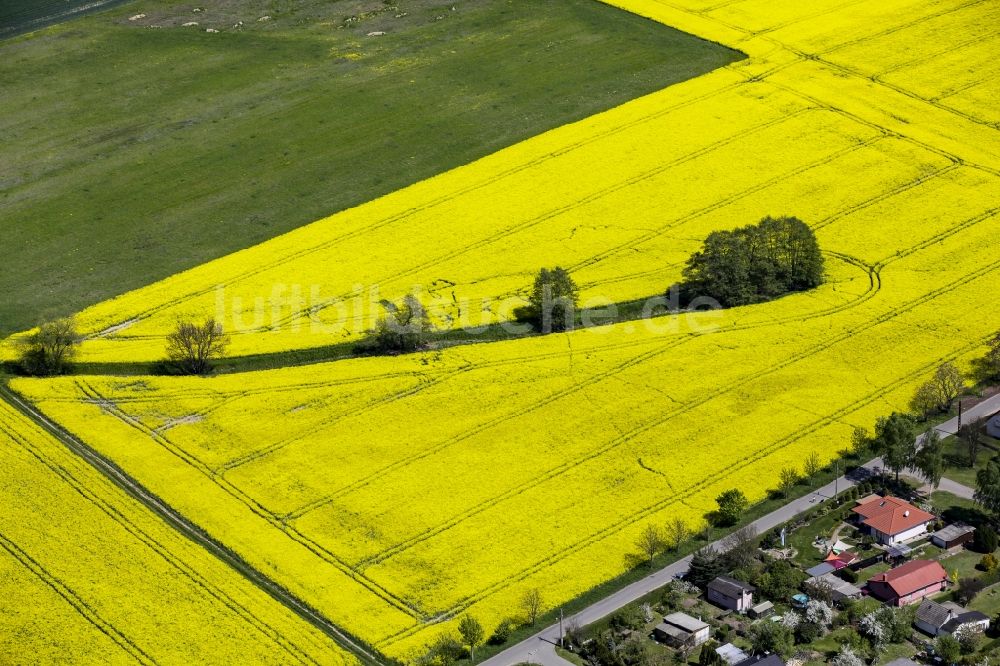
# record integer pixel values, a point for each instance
(895, 439)
(940, 392)
(755, 263)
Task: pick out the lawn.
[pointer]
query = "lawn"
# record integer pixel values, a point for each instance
(803, 538)
(153, 146)
(957, 456)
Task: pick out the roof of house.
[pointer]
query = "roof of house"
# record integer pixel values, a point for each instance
(671, 630)
(891, 515)
(731, 654)
(934, 614)
(902, 661)
(912, 576)
(821, 569)
(730, 587)
(685, 622)
(954, 531)
(837, 584)
(763, 606)
(968, 617)
(840, 560)
(766, 660)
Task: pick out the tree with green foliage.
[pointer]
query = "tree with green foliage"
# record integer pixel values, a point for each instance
(472, 634)
(676, 532)
(51, 348)
(403, 328)
(948, 648)
(970, 639)
(706, 565)
(779, 581)
(971, 434)
(895, 440)
(553, 301)
(787, 480)
(708, 656)
(629, 617)
(502, 632)
(755, 263)
(861, 441)
(740, 548)
(985, 539)
(651, 543)
(531, 604)
(812, 465)
(930, 458)
(925, 400)
(770, 637)
(992, 359)
(444, 651)
(988, 563)
(732, 503)
(948, 385)
(192, 347)
(988, 487)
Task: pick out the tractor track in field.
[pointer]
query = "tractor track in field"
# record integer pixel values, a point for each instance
(191, 531)
(246, 500)
(557, 471)
(127, 524)
(75, 601)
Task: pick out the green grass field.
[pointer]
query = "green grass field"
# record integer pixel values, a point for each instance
(132, 152)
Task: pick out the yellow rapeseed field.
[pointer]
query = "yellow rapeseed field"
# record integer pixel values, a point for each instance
(395, 494)
(102, 580)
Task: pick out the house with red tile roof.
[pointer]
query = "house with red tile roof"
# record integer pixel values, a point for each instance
(891, 520)
(909, 583)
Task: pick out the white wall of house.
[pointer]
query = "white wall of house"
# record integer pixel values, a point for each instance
(902, 536)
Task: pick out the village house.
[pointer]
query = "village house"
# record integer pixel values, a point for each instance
(731, 593)
(840, 589)
(935, 619)
(681, 630)
(909, 583)
(891, 520)
(731, 654)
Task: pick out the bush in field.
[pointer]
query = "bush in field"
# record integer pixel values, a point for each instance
(503, 631)
(192, 347)
(51, 349)
(404, 328)
(552, 302)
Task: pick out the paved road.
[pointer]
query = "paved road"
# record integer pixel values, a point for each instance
(540, 648)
